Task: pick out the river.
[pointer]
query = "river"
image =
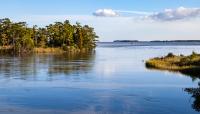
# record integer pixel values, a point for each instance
(110, 80)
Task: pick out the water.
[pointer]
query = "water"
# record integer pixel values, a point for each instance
(111, 80)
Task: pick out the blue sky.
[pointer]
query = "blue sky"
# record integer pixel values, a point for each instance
(108, 27)
(22, 7)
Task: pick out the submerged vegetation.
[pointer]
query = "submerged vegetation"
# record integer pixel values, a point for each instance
(189, 65)
(17, 37)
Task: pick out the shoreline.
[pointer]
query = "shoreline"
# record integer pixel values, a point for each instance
(40, 50)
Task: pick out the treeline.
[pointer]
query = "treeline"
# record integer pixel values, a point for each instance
(20, 38)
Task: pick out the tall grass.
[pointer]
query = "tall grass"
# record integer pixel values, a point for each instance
(185, 64)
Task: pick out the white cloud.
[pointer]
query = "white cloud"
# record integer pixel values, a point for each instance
(176, 14)
(116, 13)
(105, 13)
(180, 13)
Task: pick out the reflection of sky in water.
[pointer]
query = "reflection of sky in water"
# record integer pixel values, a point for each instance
(111, 80)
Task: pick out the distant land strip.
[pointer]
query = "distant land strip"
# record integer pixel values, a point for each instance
(157, 41)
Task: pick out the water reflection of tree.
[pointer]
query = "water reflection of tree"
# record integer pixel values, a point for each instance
(17, 66)
(194, 74)
(72, 63)
(195, 92)
(29, 67)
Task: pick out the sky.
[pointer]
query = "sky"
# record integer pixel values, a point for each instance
(114, 19)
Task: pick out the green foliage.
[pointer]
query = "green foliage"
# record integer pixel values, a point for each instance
(60, 34)
(24, 44)
(170, 55)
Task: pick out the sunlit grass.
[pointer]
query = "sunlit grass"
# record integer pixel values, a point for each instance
(53, 50)
(48, 50)
(186, 64)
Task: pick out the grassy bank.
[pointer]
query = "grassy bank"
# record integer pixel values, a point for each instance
(48, 50)
(40, 50)
(59, 50)
(189, 65)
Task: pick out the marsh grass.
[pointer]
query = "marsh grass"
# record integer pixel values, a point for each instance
(48, 50)
(189, 65)
(43, 50)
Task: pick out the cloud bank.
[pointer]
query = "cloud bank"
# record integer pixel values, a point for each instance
(179, 13)
(105, 13)
(117, 13)
(176, 14)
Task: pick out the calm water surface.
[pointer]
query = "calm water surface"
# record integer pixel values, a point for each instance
(111, 80)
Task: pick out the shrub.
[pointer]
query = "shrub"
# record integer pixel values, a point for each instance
(170, 55)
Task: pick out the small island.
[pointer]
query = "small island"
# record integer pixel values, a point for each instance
(189, 65)
(18, 37)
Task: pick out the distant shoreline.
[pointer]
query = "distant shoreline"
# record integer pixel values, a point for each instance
(157, 41)
(150, 43)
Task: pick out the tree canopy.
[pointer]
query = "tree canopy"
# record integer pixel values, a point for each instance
(20, 37)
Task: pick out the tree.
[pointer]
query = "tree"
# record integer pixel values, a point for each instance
(21, 37)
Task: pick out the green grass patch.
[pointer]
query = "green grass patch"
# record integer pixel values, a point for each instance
(189, 65)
